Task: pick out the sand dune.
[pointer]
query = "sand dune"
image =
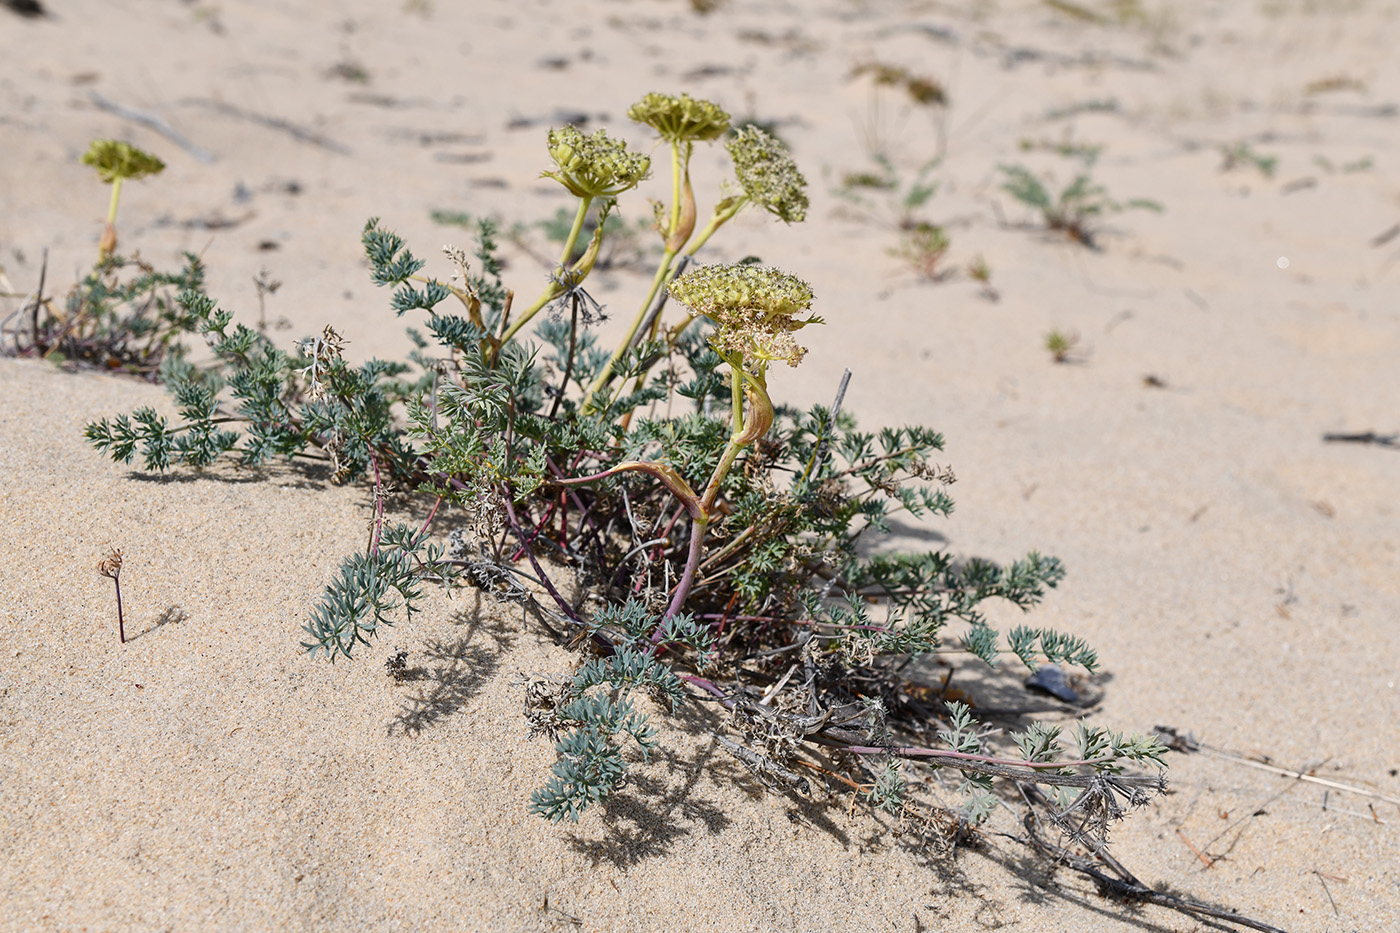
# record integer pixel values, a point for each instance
(1238, 575)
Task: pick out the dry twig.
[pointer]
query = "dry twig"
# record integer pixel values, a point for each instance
(153, 122)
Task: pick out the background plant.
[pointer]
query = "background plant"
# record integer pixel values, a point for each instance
(719, 535)
(923, 250)
(1077, 210)
(886, 198)
(1062, 345)
(916, 92)
(1241, 154)
(124, 314)
(980, 272)
(117, 162)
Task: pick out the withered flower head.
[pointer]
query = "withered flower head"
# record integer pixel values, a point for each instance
(323, 352)
(111, 563)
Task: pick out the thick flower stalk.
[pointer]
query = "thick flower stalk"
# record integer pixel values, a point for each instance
(756, 309)
(681, 121)
(595, 167)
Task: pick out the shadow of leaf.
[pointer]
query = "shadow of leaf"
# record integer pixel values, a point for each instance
(646, 817)
(451, 674)
(171, 614)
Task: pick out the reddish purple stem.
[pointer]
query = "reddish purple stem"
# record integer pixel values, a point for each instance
(530, 554)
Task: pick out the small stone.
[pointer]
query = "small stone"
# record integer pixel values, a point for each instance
(1051, 679)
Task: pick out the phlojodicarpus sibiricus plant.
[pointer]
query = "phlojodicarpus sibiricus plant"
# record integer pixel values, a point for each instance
(719, 535)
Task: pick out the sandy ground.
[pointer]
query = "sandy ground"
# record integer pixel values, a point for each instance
(1238, 575)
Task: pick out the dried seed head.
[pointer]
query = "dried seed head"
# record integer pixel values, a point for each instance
(458, 258)
(323, 351)
(768, 175)
(594, 166)
(114, 160)
(756, 308)
(681, 119)
(111, 563)
(545, 695)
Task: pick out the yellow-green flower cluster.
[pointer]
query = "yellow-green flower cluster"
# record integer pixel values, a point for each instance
(114, 160)
(681, 119)
(756, 308)
(594, 166)
(768, 175)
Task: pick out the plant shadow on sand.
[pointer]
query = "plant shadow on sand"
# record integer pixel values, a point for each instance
(452, 673)
(296, 474)
(170, 615)
(1037, 883)
(650, 815)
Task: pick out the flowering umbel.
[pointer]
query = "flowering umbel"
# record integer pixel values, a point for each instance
(114, 160)
(594, 166)
(681, 119)
(768, 174)
(756, 308)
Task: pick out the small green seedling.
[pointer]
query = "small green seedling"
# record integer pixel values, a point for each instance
(111, 567)
(923, 248)
(903, 197)
(1242, 154)
(1076, 209)
(887, 199)
(1062, 345)
(981, 273)
(1065, 148)
(117, 162)
(1363, 164)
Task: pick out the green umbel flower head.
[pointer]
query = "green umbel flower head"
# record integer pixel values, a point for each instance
(114, 160)
(681, 119)
(756, 308)
(594, 166)
(768, 175)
